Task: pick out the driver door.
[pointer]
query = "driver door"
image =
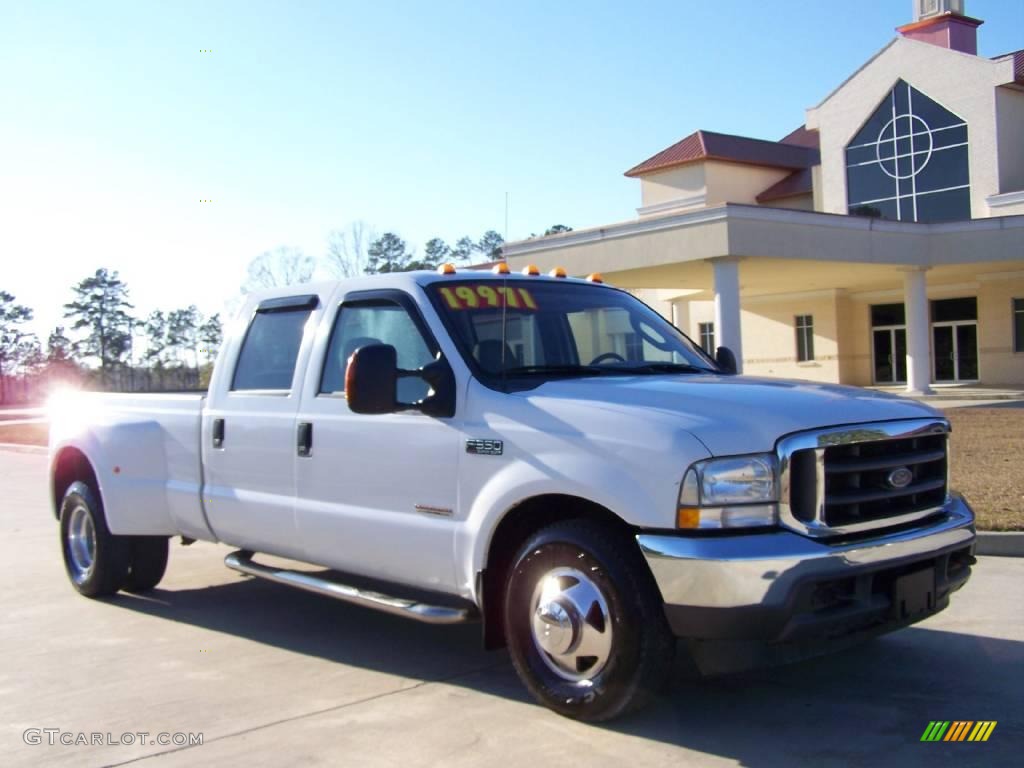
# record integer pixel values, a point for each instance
(377, 493)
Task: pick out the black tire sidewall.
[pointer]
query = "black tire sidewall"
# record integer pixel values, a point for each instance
(148, 563)
(588, 548)
(110, 564)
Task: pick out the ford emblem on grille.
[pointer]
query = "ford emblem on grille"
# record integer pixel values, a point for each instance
(899, 477)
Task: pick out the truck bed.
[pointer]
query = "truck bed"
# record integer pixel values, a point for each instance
(145, 450)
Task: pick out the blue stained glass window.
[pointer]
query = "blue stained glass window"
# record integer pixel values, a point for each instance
(909, 161)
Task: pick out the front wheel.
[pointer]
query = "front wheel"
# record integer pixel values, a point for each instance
(96, 560)
(584, 622)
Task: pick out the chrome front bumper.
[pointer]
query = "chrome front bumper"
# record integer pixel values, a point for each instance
(781, 585)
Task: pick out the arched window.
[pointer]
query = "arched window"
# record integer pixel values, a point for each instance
(908, 162)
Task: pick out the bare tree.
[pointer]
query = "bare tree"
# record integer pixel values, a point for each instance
(279, 267)
(348, 249)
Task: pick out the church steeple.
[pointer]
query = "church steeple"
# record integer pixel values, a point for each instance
(943, 23)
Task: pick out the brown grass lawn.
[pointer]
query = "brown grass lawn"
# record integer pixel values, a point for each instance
(24, 434)
(987, 452)
(988, 464)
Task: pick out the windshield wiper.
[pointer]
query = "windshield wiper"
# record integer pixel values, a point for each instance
(665, 368)
(559, 370)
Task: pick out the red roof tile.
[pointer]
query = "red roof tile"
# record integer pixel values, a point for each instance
(797, 183)
(802, 137)
(707, 145)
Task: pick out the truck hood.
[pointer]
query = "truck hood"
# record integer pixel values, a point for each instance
(729, 414)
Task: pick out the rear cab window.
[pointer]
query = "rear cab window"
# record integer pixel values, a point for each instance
(270, 349)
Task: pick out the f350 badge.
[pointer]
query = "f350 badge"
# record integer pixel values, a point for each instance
(485, 447)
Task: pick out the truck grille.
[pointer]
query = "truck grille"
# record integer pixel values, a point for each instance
(867, 476)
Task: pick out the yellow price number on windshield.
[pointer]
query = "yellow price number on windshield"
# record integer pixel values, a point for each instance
(483, 296)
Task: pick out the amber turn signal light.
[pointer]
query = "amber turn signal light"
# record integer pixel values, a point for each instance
(688, 517)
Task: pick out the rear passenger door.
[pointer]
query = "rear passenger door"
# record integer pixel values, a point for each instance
(248, 427)
(377, 493)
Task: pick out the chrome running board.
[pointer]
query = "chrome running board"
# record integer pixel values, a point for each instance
(411, 609)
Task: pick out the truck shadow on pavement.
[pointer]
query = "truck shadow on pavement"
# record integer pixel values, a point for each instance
(867, 705)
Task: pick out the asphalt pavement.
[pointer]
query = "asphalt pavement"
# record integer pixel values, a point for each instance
(275, 677)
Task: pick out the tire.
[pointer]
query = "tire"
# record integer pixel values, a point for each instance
(577, 586)
(96, 560)
(148, 563)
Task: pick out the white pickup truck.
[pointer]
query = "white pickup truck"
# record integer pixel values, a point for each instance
(545, 455)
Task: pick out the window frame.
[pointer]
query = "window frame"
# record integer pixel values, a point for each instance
(378, 297)
(805, 330)
(307, 303)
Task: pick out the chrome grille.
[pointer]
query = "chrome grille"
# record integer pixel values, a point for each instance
(850, 479)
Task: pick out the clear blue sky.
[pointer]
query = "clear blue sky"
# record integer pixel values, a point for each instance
(416, 117)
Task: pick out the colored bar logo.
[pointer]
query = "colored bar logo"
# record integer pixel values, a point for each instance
(959, 730)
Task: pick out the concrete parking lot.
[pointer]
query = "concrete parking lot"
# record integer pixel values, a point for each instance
(276, 677)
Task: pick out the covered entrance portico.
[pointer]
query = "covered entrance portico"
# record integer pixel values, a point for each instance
(797, 293)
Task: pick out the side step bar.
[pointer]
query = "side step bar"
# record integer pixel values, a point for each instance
(431, 614)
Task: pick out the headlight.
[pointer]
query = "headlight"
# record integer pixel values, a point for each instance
(732, 492)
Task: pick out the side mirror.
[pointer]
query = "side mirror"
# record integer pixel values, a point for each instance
(726, 360)
(371, 379)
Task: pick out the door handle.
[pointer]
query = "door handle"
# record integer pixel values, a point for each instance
(218, 433)
(304, 439)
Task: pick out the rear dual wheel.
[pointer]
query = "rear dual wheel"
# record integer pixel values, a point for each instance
(98, 562)
(584, 622)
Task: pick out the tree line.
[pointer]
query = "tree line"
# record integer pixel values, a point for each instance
(360, 250)
(105, 345)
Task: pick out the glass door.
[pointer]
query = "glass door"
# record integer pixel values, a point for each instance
(955, 349)
(890, 355)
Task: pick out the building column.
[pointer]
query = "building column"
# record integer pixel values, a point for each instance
(915, 301)
(727, 306)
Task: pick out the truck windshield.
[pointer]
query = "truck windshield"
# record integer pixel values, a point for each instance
(546, 328)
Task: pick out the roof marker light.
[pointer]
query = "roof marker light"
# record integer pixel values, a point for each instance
(595, 277)
(531, 270)
(501, 268)
(557, 272)
(446, 269)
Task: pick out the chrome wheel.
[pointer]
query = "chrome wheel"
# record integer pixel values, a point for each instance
(571, 624)
(81, 542)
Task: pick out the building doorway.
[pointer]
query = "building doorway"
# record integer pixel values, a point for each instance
(889, 343)
(955, 340)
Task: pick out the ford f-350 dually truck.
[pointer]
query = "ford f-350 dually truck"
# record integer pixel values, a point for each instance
(543, 454)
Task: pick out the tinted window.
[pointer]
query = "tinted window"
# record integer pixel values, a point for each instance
(1018, 325)
(269, 351)
(888, 314)
(804, 338)
(377, 322)
(947, 310)
(909, 161)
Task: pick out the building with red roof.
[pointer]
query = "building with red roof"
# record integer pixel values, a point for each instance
(879, 243)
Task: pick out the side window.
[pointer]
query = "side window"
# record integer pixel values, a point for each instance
(270, 349)
(707, 337)
(804, 338)
(376, 322)
(1018, 325)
